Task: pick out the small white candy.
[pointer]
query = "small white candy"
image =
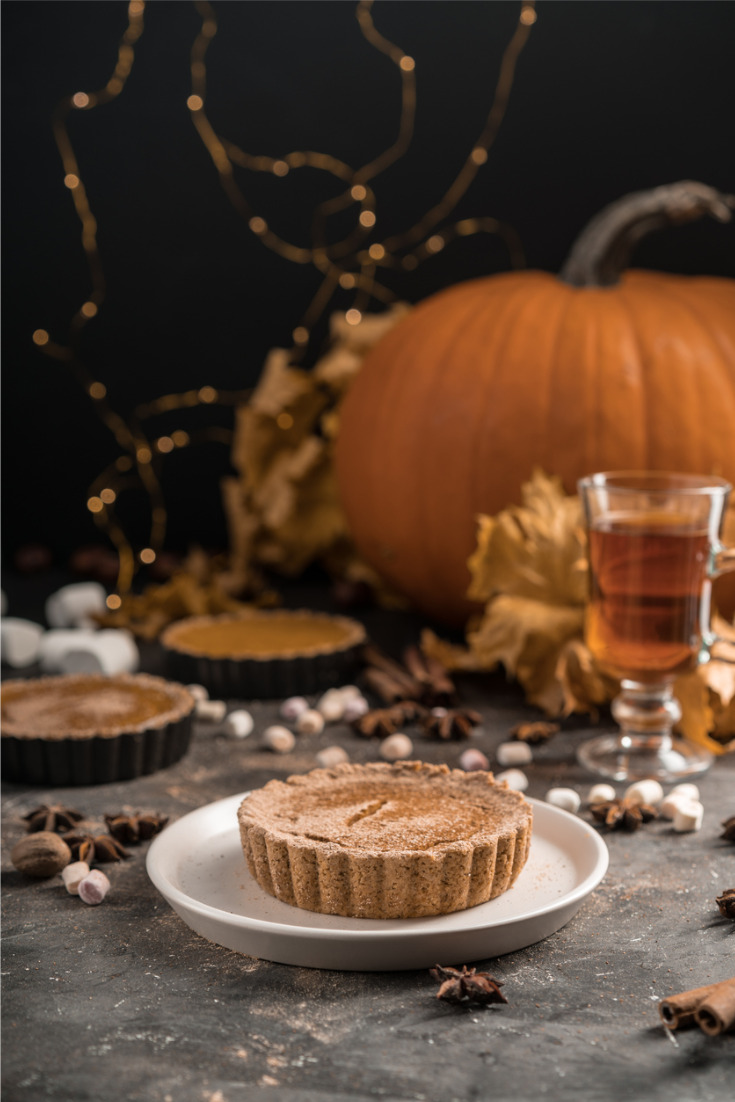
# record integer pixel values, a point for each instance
(279, 739)
(331, 706)
(514, 753)
(472, 760)
(688, 791)
(110, 651)
(58, 642)
(198, 692)
(21, 641)
(310, 722)
(294, 707)
(645, 792)
(73, 875)
(688, 817)
(93, 888)
(348, 692)
(514, 778)
(565, 798)
(331, 756)
(211, 711)
(72, 605)
(600, 794)
(396, 747)
(239, 724)
(355, 706)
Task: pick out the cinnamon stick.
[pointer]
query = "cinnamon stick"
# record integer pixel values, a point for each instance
(716, 1014)
(410, 687)
(679, 1011)
(385, 685)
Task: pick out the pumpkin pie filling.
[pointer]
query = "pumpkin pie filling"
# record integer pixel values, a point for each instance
(267, 635)
(385, 841)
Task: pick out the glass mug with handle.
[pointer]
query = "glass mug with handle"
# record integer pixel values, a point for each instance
(653, 550)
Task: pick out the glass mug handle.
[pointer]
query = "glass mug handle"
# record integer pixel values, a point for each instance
(723, 562)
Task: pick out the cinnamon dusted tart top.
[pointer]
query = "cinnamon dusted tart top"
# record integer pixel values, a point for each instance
(80, 706)
(263, 635)
(407, 807)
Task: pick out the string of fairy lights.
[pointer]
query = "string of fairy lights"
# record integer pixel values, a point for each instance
(351, 264)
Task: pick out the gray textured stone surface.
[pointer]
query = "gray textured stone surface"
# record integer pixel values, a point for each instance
(123, 1001)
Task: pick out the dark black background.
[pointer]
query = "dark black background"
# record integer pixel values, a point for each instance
(609, 97)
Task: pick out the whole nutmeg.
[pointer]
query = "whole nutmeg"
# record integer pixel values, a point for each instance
(41, 854)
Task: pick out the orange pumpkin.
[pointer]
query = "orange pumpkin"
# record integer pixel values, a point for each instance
(485, 381)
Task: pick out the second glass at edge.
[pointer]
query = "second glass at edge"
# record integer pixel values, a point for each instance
(653, 550)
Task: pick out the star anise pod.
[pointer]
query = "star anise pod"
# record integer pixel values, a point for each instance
(451, 723)
(534, 731)
(133, 829)
(623, 814)
(467, 985)
(381, 722)
(95, 847)
(53, 817)
(726, 903)
(728, 829)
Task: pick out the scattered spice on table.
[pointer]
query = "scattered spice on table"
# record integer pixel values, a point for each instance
(451, 723)
(95, 847)
(381, 722)
(534, 732)
(133, 829)
(623, 814)
(726, 903)
(467, 985)
(53, 817)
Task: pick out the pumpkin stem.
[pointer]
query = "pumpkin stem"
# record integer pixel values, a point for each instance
(603, 249)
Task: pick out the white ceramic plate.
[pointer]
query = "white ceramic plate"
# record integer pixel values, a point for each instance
(198, 866)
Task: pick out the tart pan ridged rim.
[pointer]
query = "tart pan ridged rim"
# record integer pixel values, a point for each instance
(327, 878)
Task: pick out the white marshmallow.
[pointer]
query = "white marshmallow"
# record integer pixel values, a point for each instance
(472, 760)
(514, 753)
(688, 791)
(669, 806)
(294, 707)
(310, 722)
(645, 792)
(72, 605)
(331, 756)
(278, 739)
(93, 888)
(20, 641)
(396, 747)
(355, 706)
(331, 706)
(198, 692)
(688, 817)
(239, 724)
(514, 778)
(600, 794)
(73, 875)
(82, 650)
(348, 692)
(565, 798)
(211, 711)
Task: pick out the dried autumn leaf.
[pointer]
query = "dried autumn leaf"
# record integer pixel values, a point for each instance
(584, 686)
(535, 550)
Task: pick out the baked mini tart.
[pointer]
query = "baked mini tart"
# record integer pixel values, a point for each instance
(92, 729)
(386, 841)
(264, 655)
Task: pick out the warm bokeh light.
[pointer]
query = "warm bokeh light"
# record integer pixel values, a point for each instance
(284, 421)
(207, 394)
(407, 64)
(280, 168)
(143, 455)
(435, 243)
(195, 103)
(108, 495)
(165, 444)
(347, 281)
(358, 192)
(71, 181)
(300, 334)
(97, 390)
(258, 225)
(376, 252)
(147, 555)
(353, 316)
(80, 99)
(478, 156)
(114, 601)
(528, 16)
(367, 218)
(40, 337)
(180, 438)
(88, 309)
(95, 505)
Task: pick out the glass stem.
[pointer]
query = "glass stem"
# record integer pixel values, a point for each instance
(646, 714)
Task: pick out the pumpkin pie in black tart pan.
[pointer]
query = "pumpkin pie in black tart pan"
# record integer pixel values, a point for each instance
(264, 655)
(92, 729)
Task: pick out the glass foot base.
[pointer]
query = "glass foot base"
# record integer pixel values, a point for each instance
(630, 758)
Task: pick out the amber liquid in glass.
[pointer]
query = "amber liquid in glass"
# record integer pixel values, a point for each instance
(648, 588)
